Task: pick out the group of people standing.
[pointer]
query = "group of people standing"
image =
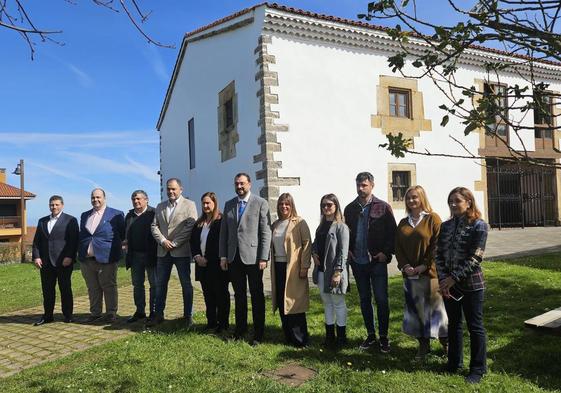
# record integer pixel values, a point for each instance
(440, 263)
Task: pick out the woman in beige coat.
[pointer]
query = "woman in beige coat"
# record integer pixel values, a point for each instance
(291, 259)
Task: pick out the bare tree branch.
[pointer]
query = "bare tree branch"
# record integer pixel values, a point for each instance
(14, 15)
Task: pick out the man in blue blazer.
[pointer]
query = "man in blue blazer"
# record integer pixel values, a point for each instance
(102, 230)
(54, 252)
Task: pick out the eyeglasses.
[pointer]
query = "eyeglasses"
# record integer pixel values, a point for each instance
(324, 205)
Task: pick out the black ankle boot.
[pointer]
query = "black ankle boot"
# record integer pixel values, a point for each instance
(341, 336)
(329, 335)
(424, 348)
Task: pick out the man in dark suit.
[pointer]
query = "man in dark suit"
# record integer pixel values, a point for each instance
(54, 252)
(102, 230)
(141, 253)
(245, 241)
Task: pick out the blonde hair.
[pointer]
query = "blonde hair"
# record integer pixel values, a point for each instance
(286, 197)
(425, 205)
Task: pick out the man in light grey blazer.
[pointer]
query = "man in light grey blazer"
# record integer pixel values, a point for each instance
(172, 225)
(245, 241)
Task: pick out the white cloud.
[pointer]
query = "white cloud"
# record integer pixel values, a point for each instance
(87, 139)
(104, 164)
(65, 174)
(84, 79)
(157, 63)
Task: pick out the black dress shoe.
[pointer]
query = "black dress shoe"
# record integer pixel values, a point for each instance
(256, 342)
(68, 320)
(136, 317)
(238, 335)
(154, 321)
(94, 318)
(43, 321)
(109, 318)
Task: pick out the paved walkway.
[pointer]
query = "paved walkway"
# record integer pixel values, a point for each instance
(23, 345)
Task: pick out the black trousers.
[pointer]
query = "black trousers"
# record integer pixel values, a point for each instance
(214, 283)
(49, 277)
(294, 326)
(241, 275)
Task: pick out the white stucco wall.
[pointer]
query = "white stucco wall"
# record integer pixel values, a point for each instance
(327, 95)
(208, 67)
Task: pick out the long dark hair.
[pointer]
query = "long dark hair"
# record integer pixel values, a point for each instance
(331, 198)
(215, 212)
(472, 212)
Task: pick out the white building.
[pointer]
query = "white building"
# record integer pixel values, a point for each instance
(301, 102)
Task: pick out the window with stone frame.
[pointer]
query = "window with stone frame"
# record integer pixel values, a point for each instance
(228, 135)
(498, 109)
(543, 119)
(401, 181)
(400, 102)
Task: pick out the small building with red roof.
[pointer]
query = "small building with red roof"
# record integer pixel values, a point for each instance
(10, 211)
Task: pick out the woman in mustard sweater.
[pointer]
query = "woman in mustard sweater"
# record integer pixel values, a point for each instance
(415, 248)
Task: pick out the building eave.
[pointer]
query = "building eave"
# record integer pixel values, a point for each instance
(311, 25)
(195, 35)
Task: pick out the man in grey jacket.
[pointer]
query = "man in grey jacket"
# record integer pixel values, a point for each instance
(245, 241)
(172, 225)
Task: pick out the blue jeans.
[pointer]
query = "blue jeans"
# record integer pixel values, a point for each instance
(140, 269)
(373, 277)
(163, 272)
(472, 306)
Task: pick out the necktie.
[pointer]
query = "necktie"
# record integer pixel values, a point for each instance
(241, 208)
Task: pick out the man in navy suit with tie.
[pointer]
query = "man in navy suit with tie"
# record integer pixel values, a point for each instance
(54, 252)
(102, 230)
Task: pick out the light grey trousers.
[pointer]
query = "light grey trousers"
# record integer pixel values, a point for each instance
(101, 280)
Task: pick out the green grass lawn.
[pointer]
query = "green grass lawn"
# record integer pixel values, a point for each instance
(520, 360)
(20, 285)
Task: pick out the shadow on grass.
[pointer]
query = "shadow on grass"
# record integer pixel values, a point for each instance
(513, 348)
(538, 253)
(550, 261)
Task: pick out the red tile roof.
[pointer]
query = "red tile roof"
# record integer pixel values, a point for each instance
(350, 22)
(8, 191)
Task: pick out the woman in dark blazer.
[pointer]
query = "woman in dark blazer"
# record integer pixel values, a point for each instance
(204, 248)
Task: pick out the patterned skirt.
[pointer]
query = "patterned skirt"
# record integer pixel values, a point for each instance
(424, 314)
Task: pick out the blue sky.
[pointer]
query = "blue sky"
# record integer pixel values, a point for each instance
(83, 114)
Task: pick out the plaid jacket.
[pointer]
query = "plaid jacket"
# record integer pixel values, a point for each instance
(460, 251)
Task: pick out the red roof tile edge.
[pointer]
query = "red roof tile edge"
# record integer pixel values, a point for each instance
(9, 191)
(350, 22)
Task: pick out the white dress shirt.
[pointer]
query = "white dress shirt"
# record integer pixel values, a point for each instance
(52, 222)
(204, 236)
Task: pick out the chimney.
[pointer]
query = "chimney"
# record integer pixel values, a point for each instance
(2, 175)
